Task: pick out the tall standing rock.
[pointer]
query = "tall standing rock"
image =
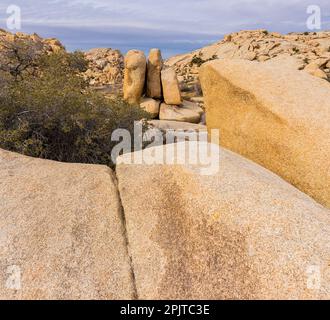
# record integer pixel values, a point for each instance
(171, 89)
(155, 64)
(134, 76)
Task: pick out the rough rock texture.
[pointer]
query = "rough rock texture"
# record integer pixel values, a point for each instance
(276, 116)
(259, 45)
(171, 89)
(155, 64)
(61, 234)
(187, 112)
(106, 67)
(243, 233)
(134, 76)
(151, 106)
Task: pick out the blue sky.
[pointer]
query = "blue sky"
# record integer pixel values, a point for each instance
(175, 26)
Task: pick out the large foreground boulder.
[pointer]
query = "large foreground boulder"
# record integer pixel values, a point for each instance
(61, 232)
(274, 115)
(134, 76)
(241, 233)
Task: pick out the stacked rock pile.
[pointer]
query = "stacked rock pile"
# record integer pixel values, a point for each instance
(155, 88)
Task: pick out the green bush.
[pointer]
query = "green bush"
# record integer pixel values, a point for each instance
(52, 114)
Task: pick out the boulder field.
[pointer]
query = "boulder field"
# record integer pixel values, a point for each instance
(274, 115)
(72, 231)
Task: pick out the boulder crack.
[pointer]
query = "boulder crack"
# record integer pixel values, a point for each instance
(126, 238)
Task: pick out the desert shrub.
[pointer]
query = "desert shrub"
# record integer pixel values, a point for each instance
(184, 87)
(198, 60)
(52, 114)
(18, 57)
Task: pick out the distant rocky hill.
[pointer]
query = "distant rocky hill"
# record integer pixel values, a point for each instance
(48, 45)
(106, 66)
(308, 51)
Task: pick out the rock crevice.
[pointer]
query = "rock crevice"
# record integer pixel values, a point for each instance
(124, 223)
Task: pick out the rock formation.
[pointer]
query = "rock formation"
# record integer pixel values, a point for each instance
(171, 89)
(134, 76)
(242, 233)
(274, 115)
(155, 65)
(161, 84)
